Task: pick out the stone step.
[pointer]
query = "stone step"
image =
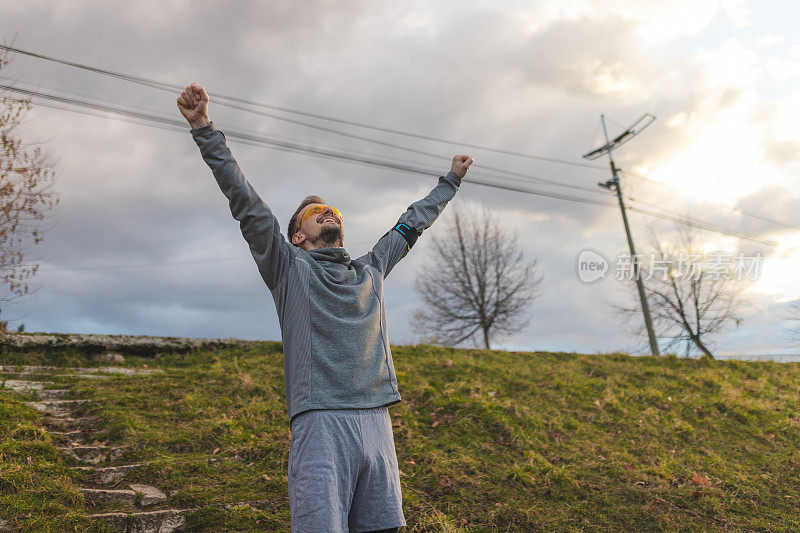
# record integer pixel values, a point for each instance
(57, 407)
(165, 521)
(34, 369)
(42, 376)
(109, 495)
(109, 474)
(22, 385)
(118, 370)
(105, 475)
(72, 437)
(52, 394)
(22, 369)
(149, 495)
(68, 423)
(94, 454)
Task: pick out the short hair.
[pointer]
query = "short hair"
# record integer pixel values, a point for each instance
(308, 200)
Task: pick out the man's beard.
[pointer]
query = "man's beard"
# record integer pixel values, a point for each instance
(329, 236)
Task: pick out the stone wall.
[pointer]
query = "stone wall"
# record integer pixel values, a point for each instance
(143, 345)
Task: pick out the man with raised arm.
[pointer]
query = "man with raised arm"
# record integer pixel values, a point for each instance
(338, 370)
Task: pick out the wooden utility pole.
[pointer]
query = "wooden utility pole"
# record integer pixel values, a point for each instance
(625, 136)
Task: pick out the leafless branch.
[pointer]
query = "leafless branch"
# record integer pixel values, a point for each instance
(26, 194)
(687, 308)
(477, 284)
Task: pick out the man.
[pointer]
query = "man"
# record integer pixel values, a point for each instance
(338, 370)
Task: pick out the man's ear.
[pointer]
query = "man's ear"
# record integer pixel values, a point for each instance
(298, 238)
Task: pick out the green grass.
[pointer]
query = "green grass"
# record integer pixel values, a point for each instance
(497, 441)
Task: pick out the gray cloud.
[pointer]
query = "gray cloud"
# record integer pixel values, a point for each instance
(133, 195)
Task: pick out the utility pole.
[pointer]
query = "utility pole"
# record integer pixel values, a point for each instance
(620, 139)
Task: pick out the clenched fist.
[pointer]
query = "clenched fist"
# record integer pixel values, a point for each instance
(461, 164)
(193, 103)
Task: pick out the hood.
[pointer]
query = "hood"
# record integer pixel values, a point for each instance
(334, 255)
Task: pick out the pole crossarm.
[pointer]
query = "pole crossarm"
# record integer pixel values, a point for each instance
(632, 131)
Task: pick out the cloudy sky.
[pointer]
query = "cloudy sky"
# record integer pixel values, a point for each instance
(143, 241)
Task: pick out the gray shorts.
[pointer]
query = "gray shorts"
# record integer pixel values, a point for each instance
(343, 473)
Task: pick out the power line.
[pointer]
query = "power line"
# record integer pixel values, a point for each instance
(740, 211)
(170, 87)
(250, 138)
(484, 168)
(705, 225)
(258, 140)
(669, 212)
(120, 267)
(672, 215)
(179, 126)
(176, 125)
(151, 265)
(733, 210)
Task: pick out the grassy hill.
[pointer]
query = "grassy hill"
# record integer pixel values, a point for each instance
(486, 441)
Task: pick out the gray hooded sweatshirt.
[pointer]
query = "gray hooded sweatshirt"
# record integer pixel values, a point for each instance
(330, 307)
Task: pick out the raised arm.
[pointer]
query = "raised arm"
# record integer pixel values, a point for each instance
(419, 216)
(259, 226)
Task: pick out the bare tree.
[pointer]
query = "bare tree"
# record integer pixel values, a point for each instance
(690, 300)
(478, 284)
(793, 317)
(25, 183)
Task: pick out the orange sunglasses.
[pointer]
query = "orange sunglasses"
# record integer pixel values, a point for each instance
(316, 210)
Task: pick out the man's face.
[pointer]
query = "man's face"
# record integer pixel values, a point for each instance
(321, 230)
